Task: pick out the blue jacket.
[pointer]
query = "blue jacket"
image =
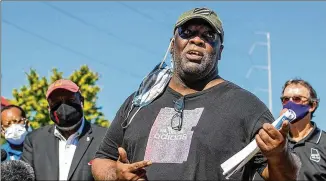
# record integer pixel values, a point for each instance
(11, 153)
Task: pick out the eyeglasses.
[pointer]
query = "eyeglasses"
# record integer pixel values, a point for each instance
(187, 33)
(295, 99)
(177, 119)
(15, 121)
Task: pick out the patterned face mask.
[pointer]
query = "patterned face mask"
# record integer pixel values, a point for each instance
(300, 110)
(151, 87)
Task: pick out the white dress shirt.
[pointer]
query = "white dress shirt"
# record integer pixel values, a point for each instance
(67, 150)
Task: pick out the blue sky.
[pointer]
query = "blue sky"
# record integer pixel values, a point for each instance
(123, 41)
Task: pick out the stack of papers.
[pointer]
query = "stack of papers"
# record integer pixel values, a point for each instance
(237, 161)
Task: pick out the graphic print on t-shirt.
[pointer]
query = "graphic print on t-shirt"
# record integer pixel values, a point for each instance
(166, 145)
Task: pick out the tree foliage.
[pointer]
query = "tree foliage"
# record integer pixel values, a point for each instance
(31, 97)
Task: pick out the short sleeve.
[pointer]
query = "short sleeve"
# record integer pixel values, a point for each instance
(113, 138)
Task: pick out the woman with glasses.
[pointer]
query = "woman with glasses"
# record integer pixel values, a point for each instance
(14, 128)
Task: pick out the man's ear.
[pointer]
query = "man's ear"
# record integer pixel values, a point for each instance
(313, 107)
(27, 123)
(172, 45)
(82, 99)
(2, 132)
(220, 52)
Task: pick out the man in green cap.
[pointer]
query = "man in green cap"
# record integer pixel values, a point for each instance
(198, 121)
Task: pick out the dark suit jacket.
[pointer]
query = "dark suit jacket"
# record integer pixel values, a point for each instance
(41, 151)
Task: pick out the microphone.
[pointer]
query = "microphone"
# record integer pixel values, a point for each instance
(12, 170)
(237, 161)
(3, 155)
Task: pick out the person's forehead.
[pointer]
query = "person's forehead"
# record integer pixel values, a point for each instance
(198, 22)
(59, 93)
(12, 113)
(296, 89)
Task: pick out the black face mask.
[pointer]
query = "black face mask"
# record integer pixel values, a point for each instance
(66, 114)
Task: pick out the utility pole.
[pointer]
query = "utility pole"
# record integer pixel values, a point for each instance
(268, 67)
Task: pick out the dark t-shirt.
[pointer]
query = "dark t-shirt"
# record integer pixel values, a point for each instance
(312, 152)
(216, 124)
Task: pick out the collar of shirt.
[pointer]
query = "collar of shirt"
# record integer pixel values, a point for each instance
(11, 152)
(313, 136)
(73, 139)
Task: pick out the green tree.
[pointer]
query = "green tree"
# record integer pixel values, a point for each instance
(32, 99)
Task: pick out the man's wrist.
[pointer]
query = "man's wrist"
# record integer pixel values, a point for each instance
(280, 158)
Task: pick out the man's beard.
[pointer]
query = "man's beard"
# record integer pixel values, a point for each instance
(70, 128)
(194, 71)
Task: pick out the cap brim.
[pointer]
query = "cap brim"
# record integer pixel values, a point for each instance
(197, 17)
(71, 89)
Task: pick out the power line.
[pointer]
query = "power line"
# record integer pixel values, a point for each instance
(142, 14)
(99, 29)
(70, 49)
(137, 11)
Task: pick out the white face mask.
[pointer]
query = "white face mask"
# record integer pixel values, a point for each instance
(151, 87)
(15, 134)
(154, 83)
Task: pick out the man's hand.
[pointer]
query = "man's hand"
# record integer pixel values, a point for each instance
(282, 165)
(272, 142)
(127, 171)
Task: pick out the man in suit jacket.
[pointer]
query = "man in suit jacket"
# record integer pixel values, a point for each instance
(63, 151)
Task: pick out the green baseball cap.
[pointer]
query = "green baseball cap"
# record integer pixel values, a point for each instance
(202, 13)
